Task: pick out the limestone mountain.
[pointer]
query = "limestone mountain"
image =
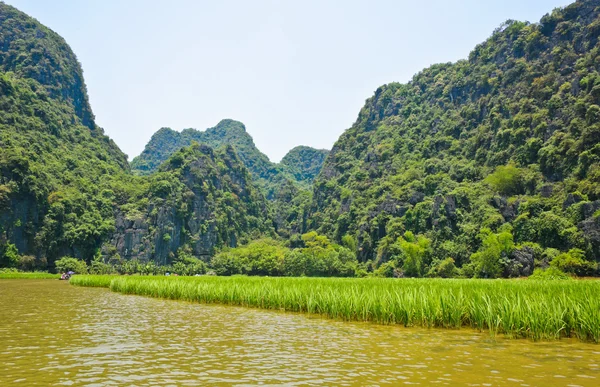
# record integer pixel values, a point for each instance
(33, 51)
(51, 149)
(67, 190)
(300, 165)
(166, 142)
(504, 145)
(198, 200)
(486, 167)
(304, 163)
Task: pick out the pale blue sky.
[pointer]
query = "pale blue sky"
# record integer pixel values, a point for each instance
(295, 72)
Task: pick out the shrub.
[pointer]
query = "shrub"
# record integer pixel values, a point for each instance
(227, 263)
(495, 249)
(66, 264)
(444, 269)
(551, 273)
(574, 262)
(10, 256)
(27, 263)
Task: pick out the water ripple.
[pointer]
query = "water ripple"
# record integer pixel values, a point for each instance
(54, 334)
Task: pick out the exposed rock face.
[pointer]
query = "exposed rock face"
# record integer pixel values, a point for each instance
(591, 226)
(520, 263)
(215, 205)
(21, 211)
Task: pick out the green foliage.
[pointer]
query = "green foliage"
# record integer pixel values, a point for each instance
(99, 267)
(286, 185)
(27, 263)
(187, 264)
(166, 142)
(18, 275)
(9, 256)
(444, 269)
(506, 142)
(260, 257)
(304, 163)
(506, 180)
(316, 257)
(66, 264)
(495, 248)
(301, 164)
(550, 274)
(413, 251)
(574, 262)
(503, 137)
(388, 270)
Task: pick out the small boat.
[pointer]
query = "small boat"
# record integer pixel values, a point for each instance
(65, 277)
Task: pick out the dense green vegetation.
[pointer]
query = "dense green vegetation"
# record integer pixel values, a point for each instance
(33, 51)
(304, 162)
(286, 185)
(55, 164)
(200, 199)
(492, 162)
(488, 167)
(166, 142)
(66, 189)
(311, 255)
(299, 167)
(532, 309)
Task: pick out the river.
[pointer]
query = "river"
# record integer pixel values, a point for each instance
(52, 333)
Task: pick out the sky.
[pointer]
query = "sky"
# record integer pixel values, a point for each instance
(294, 72)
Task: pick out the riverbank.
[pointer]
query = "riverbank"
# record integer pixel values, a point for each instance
(539, 310)
(17, 275)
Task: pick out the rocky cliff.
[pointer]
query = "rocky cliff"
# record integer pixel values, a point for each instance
(200, 199)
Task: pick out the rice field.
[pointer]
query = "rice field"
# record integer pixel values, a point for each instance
(539, 310)
(17, 275)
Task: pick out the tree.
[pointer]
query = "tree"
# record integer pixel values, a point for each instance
(413, 252)
(10, 258)
(66, 264)
(495, 247)
(507, 180)
(574, 262)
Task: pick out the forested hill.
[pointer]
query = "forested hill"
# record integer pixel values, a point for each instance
(304, 163)
(300, 165)
(31, 50)
(493, 161)
(54, 161)
(199, 200)
(486, 167)
(66, 189)
(166, 142)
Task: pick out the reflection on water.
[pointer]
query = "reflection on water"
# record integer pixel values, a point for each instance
(55, 334)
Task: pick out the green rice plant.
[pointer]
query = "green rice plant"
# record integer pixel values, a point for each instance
(36, 275)
(92, 281)
(538, 310)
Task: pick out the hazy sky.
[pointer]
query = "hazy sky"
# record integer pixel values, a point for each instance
(295, 72)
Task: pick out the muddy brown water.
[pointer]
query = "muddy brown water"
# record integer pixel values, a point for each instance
(52, 333)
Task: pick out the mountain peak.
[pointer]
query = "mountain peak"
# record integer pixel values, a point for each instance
(32, 50)
(229, 124)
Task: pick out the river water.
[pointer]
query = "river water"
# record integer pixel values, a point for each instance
(52, 333)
